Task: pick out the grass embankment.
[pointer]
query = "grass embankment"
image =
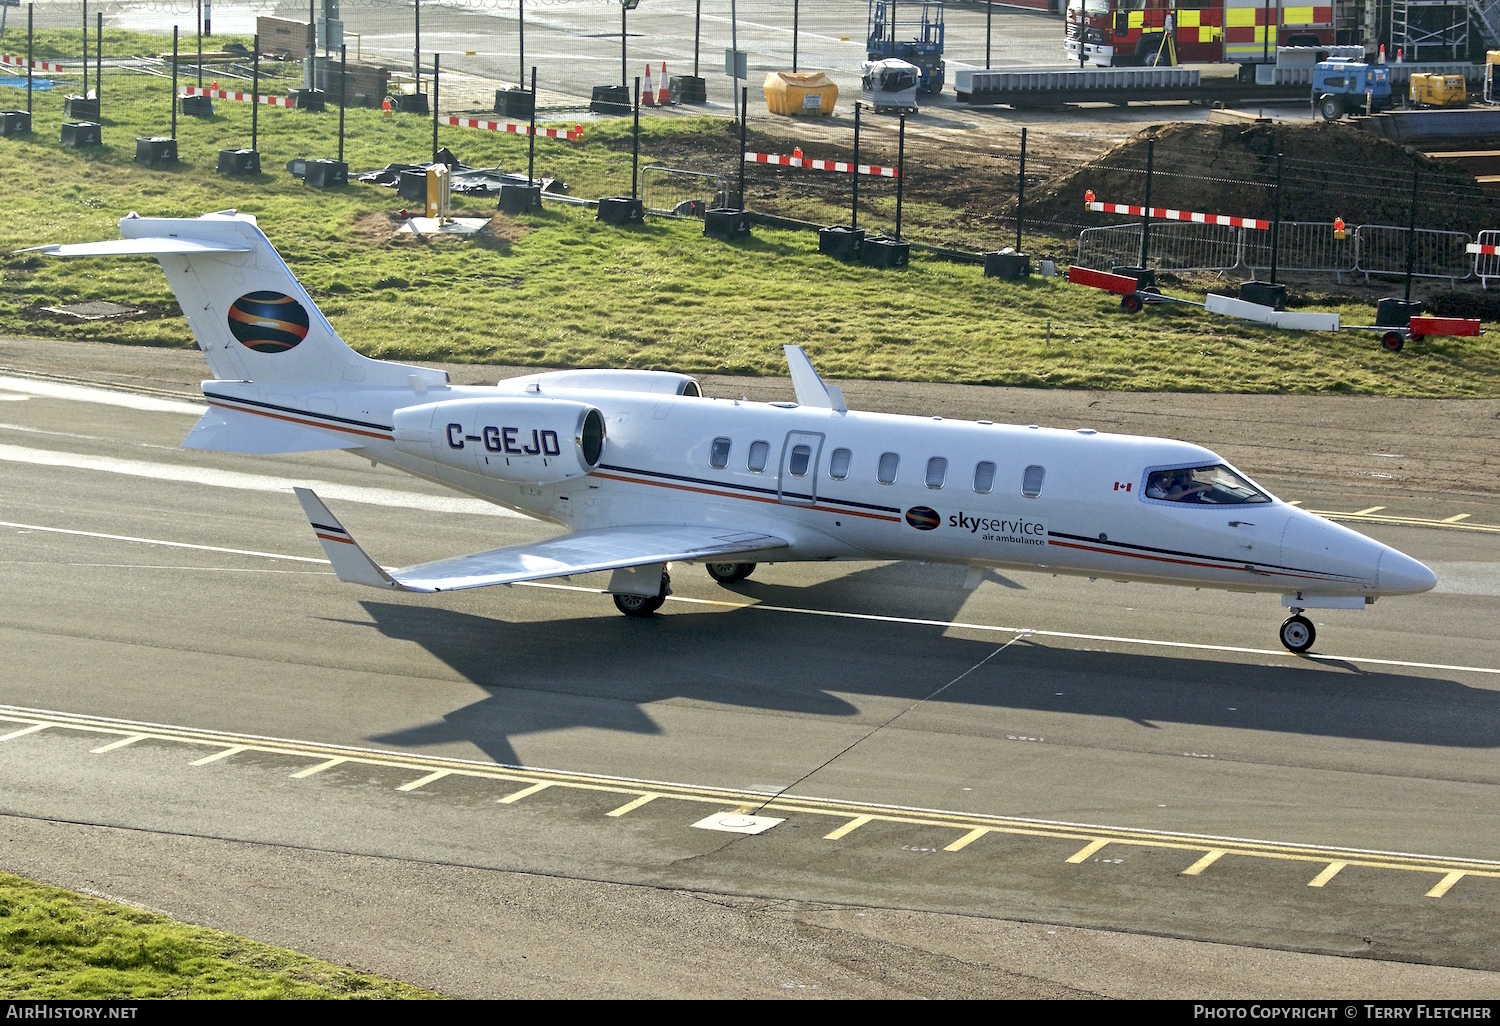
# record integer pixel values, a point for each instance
(559, 289)
(58, 945)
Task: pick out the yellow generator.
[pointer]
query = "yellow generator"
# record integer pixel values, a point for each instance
(797, 93)
(1438, 91)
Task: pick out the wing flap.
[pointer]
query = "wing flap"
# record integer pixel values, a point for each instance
(583, 553)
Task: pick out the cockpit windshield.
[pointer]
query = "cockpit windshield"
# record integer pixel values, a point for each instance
(1208, 486)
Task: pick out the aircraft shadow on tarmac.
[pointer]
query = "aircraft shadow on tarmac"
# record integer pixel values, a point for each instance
(601, 671)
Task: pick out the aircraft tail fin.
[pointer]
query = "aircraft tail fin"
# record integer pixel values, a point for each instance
(349, 560)
(251, 317)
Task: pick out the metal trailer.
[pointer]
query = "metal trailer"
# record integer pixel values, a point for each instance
(925, 50)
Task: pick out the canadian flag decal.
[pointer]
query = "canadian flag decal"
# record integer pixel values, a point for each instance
(1123, 486)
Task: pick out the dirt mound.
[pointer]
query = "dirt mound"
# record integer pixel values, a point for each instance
(1328, 171)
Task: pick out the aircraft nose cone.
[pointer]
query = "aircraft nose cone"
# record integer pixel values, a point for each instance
(1402, 575)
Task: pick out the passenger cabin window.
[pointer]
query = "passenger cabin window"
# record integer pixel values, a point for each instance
(984, 477)
(937, 469)
(886, 473)
(797, 465)
(759, 451)
(838, 464)
(718, 456)
(1205, 486)
(1031, 481)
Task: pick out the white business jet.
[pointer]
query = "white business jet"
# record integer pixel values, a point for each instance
(644, 471)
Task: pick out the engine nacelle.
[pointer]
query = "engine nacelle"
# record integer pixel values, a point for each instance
(535, 441)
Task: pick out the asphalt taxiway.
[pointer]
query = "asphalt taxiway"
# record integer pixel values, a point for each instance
(191, 698)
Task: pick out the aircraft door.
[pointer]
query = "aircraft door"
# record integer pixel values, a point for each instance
(797, 483)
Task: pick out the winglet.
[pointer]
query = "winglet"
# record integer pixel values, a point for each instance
(348, 559)
(810, 389)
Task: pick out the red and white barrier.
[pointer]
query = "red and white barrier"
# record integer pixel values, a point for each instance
(574, 134)
(1482, 250)
(224, 94)
(783, 160)
(1163, 214)
(20, 62)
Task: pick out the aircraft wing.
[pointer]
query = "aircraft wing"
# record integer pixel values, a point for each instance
(582, 553)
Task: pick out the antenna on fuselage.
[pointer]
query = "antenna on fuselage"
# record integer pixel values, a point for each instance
(810, 388)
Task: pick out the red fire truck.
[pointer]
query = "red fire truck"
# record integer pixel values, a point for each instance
(1111, 33)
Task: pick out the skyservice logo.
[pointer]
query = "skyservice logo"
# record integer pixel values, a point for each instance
(923, 518)
(268, 322)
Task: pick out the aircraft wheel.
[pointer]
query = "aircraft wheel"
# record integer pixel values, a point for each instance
(637, 605)
(1392, 341)
(1297, 634)
(644, 605)
(728, 573)
(1130, 303)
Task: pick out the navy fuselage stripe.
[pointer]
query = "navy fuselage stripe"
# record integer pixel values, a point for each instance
(325, 527)
(300, 413)
(1236, 564)
(746, 488)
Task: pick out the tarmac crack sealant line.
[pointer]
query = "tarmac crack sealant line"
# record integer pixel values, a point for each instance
(969, 827)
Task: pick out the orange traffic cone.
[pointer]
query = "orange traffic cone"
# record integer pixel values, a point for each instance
(1398, 54)
(1382, 54)
(663, 91)
(797, 153)
(648, 94)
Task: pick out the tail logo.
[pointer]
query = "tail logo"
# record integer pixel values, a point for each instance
(268, 322)
(923, 518)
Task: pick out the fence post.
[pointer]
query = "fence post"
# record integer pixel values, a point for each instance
(1146, 215)
(531, 136)
(989, 6)
(98, 66)
(1021, 190)
(200, 44)
(635, 138)
(1411, 233)
(85, 48)
(174, 83)
(744, 100)
(796, 4)
(854, 207)
(30, 22)
(697, 33)
(900, 171)
(435, 72)
(343, 94)
(523, 55)
(1276, 219)
(255, 98)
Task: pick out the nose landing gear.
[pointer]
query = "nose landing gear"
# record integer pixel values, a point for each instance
(1297, 633)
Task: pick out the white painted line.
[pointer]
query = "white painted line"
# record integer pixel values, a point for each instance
(103, 396)
(158, 541)
(319, 768)
(222, 754)
(524, 792)
(24, 731)
(424, 781)
(252, 482)
(737, 823)
(117, 744)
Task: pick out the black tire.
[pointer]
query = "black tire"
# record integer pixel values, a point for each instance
(1331, 107)
(728, 573)
(1298, 634)
(644, 605)
(1130, 303)
(637, 605)
(1392, 341)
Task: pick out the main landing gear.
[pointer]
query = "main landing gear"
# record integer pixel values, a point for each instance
(1297, 633)
(645, 605)
(728, 573)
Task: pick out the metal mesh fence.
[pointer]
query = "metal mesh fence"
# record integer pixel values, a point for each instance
(1303, 246)
(1487, 265)
(1382, 250)
(675, 191)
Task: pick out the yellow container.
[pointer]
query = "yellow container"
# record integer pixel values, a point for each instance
(1438, 90)
(1492, 57)
(797, 93)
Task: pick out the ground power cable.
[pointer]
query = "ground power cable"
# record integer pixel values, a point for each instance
(877, 729)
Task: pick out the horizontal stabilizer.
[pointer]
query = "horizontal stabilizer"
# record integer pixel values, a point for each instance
(224, 430)
(587, 552)
(139, 247)
(348, 559)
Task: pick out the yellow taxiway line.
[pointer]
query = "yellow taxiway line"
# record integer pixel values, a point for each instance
(968, 828)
